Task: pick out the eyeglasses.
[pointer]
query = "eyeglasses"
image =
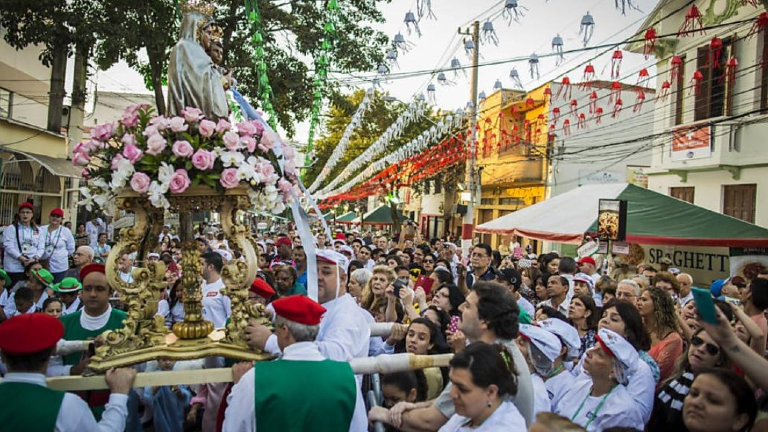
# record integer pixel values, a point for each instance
(428, 262)
(711, 349)
(479, 255)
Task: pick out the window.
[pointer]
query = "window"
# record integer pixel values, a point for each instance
(6, 100)
(739, 201)
(679, 86)
(682, 193)
(761, 55)
(511, 201)
(487, 201)
(713, 98)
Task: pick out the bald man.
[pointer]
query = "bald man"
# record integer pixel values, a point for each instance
(686, 282)
(81, 258)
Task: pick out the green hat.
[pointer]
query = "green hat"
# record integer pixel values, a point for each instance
(6, 278)
(67, 286)
(43, 276)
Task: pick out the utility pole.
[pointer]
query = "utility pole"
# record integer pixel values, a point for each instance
(467, 228)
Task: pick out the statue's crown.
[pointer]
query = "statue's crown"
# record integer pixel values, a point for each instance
(201, 6)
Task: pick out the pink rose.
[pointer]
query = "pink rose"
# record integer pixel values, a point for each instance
(151, 130)
(250, 143)
(118, 157)
(290, 167)
(140, 182)
(232, 141)
(206, 128)
(80, 159)
(179, 181)
(229, 178)
(203, 160)
(284, 186)
(102, 132)
(83, 147)
(85, 174)
(266, 169)
(246, 129)
(155, 144)
(223, 126)
(160, 123)
(182, 149)
(128, 139)
(133, 153)
(177, 124)
(192, 114)
(130, 117)
(267, 141)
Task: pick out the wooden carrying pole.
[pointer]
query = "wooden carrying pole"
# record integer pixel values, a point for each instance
(369, 365)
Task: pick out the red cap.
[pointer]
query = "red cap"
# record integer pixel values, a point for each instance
(300, 309)
(26, 204)
(262, 288)
(588, 260)
(90, 268)
(284, 241)
(339, 236)
(57, 212)
(30, 333)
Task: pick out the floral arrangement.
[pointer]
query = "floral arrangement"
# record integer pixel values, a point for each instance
(159, 157)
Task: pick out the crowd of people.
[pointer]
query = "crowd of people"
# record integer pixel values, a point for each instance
(539, 342)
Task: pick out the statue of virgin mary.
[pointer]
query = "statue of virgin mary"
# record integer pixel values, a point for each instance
(193, 79)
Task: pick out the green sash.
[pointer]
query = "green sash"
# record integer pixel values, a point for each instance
(297, 396)
(28, 407)
(74, 331)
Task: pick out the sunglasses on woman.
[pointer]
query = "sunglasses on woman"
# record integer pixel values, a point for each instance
(711, 349)
(428, 262)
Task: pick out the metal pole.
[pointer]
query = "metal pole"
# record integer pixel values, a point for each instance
(467, 228)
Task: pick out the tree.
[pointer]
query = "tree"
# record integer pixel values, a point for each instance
(379, 116)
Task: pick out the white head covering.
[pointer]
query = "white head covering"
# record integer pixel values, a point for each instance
(567, 334)
(624, 354)
(333, 257)
(227, 255)
(545, 341)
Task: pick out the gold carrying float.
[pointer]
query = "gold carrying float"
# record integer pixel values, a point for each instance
(144, 335)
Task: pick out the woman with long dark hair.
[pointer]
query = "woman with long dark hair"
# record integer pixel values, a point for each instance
(660, 319)
(583, 315)
(20, 241)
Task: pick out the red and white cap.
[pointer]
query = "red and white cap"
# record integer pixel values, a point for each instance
(57, 212)
(567, 333)
(623, 352)
(261, 287)
(545, 341)
(299, 309)
(30, 333)
(583, 277)
(333, 257)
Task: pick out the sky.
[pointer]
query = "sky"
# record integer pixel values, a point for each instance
(542, 20)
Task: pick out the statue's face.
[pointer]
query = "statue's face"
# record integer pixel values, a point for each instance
(205, 38)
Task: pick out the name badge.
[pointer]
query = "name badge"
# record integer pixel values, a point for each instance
(212, 294)
(24, 248)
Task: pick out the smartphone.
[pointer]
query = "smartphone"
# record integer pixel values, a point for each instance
(705, 306)
(398, 285)
(425, 282)
(453, 326)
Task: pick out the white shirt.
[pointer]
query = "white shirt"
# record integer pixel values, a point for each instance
(74, 414)
(506, 418)
(90, 323)
(563, 308)
(126, 277)
(216, 306)
(540, 395)
(618, 409)
(10, 308)
(74, 307)
(344, 334)
(526, 306)
(92, 229)
(56, 246)
(28, 239)
(241, 410)
(558, 385)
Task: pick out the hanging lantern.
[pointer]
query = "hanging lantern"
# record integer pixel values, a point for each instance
(643, 77)
(582, 123)
(497, 86)
(599, 115)
(489, 33)
(469, 48)
(537, 135)
(692, 23)
(557, 48)
(411, 23)
(512, 12)
(624, 4)
(587, 28)
(420, 97)
(565, 89)
(616, 59)
(515, 77)
(400, 43)
(639, 101)
(617, 108)
(761, 23)
(481, 96)
(697, 79)
(443, 80)
(574, 107)
(540, 117)
(431, 94)
(527, 127)
(547, 94)
(456, 66)
(424, 9)
(383, 70)
(533, 64)
(551, 134)
(650, 42)
(588, 77)
(567, 127)
(615, 92)
(392, 58)
(666, 86)
(675, 67)
(555, 115)
(730, 71)
(530, 103)
(715, 51)
(593, 102)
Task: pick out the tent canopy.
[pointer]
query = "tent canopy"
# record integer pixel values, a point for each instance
(382, 215)
(347, 218)
(652, 219)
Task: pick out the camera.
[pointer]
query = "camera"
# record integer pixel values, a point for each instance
(399, 283)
